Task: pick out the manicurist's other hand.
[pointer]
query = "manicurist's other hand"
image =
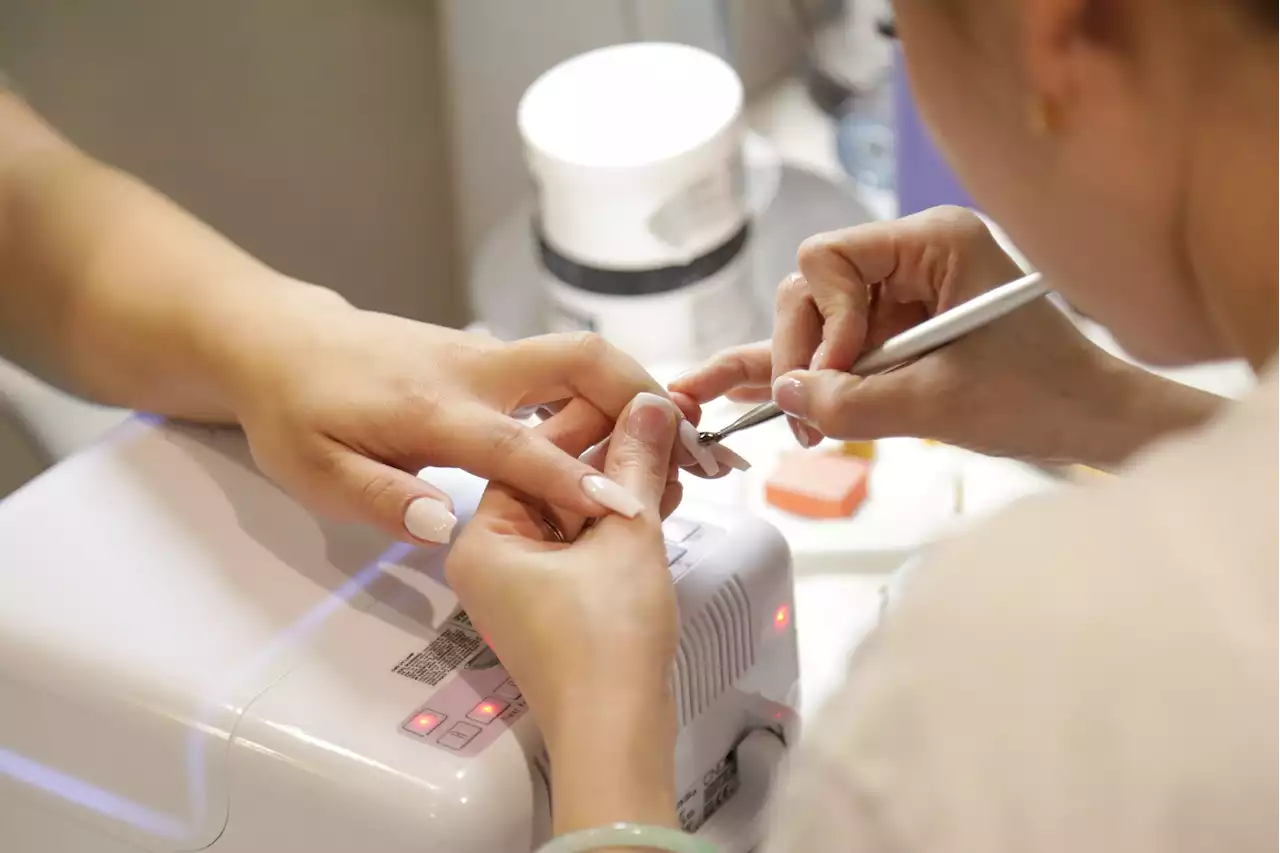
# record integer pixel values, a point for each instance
(587, 628)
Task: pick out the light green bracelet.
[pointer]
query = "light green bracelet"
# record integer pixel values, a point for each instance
(631, 835)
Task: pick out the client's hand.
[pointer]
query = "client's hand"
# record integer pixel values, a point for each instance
(343, 407)
(1029, 385)
(587, 628)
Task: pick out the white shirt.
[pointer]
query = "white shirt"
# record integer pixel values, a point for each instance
(1091, 671)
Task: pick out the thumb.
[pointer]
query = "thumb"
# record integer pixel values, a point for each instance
(639, 456)
(844, 406)
(392, 500)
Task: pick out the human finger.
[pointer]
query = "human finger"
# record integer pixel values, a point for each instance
(472, 436)
(841, 267)
(844, 406)
(357, 488)
(640, 450)
(671, 497)
(797, 334)
(555, 367)
(748, 366)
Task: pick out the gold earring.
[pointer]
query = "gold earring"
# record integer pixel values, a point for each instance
(1042, 117)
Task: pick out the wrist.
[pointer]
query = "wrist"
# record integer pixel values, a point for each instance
(1137, 407)
(631, 714)
(612, 759)
(260, 325)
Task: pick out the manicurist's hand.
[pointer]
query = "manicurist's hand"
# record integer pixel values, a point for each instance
(587, 628)
(1029, 385)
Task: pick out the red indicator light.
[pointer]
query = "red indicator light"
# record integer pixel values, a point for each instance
(488, 710)
(782, 617)
(424, 723)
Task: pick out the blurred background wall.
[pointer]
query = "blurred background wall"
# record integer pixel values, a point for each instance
(309, 131)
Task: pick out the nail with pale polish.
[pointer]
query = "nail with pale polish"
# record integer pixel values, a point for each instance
(800, 432)
(700, 452)
(728, 459)
(789, 394)
(650, 418)
(429, 520)
(611, 496)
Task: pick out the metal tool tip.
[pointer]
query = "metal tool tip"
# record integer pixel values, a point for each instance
(708, 437)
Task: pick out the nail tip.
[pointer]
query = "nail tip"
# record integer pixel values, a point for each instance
(612, 496)
(430, 521)
(729, 459)
(700, 452)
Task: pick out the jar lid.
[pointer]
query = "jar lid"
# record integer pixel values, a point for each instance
(630, 106)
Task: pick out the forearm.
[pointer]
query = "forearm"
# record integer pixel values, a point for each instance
(1134, 409)
(111, 290)
(613, 759)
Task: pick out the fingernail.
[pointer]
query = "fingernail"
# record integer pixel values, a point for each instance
(819, 358)
(650, 418)
(729, 459)
(801, 433)
(429, 520)
(596, 455)
(789, 394)
(611, 496)
(700, 452)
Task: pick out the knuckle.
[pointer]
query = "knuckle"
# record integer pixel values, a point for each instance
(510, 441)
(837, 413)
(378, 492)
(426, 406)
(743, 362)
(960, 221)
(813, 249)
(792, 289)
(589, 347)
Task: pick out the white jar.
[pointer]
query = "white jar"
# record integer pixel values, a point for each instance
(642, 222)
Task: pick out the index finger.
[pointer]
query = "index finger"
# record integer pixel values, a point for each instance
(841, 267)
(554, 367)
(909, 261)
(748, 366)
(509, 511)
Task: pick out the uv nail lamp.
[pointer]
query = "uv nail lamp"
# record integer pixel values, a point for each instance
(190, 661)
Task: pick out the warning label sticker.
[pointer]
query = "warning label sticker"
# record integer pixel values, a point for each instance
(703, 800)
(719, 785)
(443, 655)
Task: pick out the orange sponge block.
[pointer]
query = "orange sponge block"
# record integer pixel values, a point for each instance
(818, 485)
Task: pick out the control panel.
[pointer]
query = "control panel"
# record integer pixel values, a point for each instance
(468, 712)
